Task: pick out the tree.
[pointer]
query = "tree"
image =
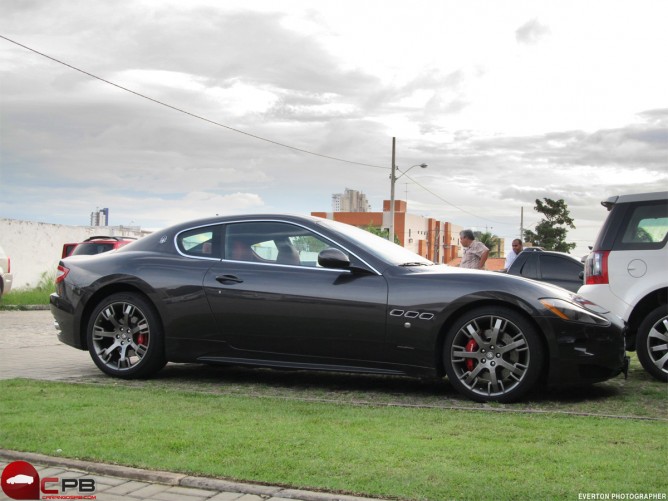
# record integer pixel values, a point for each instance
(376, 230)
(552, 229)
(491, 242)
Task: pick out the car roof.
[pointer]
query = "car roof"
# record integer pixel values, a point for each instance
(104, 237)
(635, 197)
(547, 252)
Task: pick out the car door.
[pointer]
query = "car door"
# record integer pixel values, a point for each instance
(272, 301)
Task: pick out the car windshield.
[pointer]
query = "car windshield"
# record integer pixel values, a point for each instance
(379, 247)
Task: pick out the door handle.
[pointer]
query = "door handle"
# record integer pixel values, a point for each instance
(224, 279)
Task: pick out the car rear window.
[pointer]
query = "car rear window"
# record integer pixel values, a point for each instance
(91, 248)
(645, 227)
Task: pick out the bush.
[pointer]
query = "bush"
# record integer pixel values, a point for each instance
(37, 296)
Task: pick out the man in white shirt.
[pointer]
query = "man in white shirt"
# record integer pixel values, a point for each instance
(517, 248)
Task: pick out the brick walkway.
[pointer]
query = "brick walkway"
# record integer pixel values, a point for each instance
(30, 349)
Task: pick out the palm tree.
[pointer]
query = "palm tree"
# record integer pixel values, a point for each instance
(491, 241)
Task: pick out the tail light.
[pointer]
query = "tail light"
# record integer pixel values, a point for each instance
(596, 271)
(61, 273)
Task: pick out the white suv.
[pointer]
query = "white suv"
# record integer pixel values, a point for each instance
(627, 272)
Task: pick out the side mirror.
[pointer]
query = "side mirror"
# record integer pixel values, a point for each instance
(333, 258)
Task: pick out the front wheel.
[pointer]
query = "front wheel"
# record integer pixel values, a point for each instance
(493, 354)
(124, 337)
(652, 343)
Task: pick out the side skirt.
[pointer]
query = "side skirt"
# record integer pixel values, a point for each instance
(298, 365)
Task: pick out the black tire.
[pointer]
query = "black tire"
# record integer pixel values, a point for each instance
(652, 343)
(493, 354)
(125, 338)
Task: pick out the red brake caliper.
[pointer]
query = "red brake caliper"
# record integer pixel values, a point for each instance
(471, 346)
(141, 339)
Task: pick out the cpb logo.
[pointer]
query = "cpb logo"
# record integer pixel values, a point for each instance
(20, 480)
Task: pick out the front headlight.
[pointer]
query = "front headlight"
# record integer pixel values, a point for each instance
(572, 312)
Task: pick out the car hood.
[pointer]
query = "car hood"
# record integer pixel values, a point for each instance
(492, 280)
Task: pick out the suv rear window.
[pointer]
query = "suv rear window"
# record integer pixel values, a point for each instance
(644, 227)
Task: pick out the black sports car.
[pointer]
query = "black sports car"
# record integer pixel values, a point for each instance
(308, 293)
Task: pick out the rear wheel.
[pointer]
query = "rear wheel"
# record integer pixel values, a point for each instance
(652, 343)
(493, 354)
(124, 337)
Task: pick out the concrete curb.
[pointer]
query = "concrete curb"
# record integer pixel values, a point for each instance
(24, 307)
(176, 479)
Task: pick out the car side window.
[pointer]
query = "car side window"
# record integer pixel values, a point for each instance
(530, 267)
(557, 268)
(273, 243)
(200, 242)
(646, 226)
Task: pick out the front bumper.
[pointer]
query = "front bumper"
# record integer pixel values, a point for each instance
(585, 354)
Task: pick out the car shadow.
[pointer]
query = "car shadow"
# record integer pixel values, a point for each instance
(365, 388)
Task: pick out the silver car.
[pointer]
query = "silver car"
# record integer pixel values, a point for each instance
(6, 276)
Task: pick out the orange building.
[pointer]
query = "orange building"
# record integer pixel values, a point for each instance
(435, 240)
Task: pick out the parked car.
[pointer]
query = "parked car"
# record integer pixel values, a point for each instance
(308, 293)
(6, 276)
(556, 268)
(95, 245)
(627, 273)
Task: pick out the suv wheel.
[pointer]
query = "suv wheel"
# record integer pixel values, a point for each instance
(652, 343)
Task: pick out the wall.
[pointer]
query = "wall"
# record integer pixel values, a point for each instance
(35, 248)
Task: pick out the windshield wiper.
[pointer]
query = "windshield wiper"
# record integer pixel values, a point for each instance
(415, 263)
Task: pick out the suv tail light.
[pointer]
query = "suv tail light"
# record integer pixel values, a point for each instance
(596, 271)
(61, 273)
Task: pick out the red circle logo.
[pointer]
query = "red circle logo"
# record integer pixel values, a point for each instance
(20, 480)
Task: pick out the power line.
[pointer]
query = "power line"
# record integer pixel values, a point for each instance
(453, 205)
(213, 122)
(199, 117)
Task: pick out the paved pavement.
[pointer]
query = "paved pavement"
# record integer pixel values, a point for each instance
(30, 349)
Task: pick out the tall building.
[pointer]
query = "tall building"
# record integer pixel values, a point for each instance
(350, 201)
(100, 217)
(433, 239)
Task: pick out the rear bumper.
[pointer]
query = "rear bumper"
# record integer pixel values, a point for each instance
(65, 322)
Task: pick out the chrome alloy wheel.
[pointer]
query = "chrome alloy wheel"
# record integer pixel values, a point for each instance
(490, 355)
(652, 343)
(121, 335)
(657, 346)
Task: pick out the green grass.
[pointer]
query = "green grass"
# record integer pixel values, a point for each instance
(407, 453)
(36, 296)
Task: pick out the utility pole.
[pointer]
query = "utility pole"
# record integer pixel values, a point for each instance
(390, 237)
(522, 225)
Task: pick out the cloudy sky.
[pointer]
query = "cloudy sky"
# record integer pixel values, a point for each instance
(273, 106)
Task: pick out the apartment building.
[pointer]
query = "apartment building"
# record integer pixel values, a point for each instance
(433, 239)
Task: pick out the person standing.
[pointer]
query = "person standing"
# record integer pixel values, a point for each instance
(475, 252)
(510, 258)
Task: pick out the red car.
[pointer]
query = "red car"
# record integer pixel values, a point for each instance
(95, 245)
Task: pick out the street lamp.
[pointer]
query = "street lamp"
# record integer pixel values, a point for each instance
(393, 180)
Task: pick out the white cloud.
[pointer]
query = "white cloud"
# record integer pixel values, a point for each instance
(507, 102)
(531, 32)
